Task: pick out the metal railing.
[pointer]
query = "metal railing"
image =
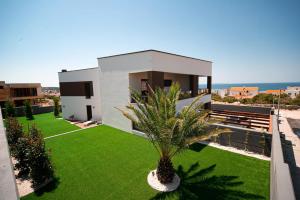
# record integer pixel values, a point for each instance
(281, 182)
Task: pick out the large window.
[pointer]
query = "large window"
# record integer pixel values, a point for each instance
(84, 88)
(24, 92)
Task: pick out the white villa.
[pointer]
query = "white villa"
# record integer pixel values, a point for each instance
(293, 91)
(95, 93)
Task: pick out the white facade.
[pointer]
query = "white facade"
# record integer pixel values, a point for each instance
(76, 105)
(293, 91)
(116, 74)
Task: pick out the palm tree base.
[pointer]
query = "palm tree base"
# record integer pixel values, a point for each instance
(157, 185)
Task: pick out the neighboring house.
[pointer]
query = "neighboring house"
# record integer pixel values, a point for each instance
(274, 92)
(19, 92)
(293, 91)
(221, 92)
(242, 92)
(96, 93)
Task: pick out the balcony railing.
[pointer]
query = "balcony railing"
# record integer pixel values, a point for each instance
(183, 95)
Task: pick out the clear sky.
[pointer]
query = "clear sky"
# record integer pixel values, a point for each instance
(248, 40)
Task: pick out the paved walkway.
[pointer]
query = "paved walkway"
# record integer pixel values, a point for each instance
(294, 153)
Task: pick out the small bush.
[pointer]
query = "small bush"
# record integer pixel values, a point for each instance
(9, 109)
(216, 97)
(14, 131)
(28, 110)
(229, 99)
(246, 101)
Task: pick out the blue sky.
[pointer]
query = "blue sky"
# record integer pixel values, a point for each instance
(248, 41)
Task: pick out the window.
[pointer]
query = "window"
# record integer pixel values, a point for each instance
(167, 83)
(88, 87)
(24, 92)
(1, 87)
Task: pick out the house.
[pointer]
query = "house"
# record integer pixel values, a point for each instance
(95, 93)
(221, 92)
(242, 92)
(19, 92)
(293, 91)
(274, 92)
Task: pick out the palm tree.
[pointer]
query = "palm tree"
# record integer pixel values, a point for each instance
(169, 131)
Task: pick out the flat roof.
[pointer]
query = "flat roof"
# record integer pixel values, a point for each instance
(153, 50)
(77, 69)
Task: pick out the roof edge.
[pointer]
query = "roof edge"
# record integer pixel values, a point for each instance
(79, 69)
(153, 50)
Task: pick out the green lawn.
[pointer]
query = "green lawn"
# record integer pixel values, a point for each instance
(48, 124)
(106, 163)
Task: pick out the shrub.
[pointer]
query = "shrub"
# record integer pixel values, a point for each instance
(28, 110)
(40, 164)
(22, 155)
(14, 131)
(9, 109)
(246, 101)
(296, 101)
(229, 99)
(56, 106)
(216, 97)
(263, 99)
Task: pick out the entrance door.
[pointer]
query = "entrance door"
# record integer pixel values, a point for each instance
(89, 112)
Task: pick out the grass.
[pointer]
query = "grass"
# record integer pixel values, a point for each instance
(48, 124)
(107, 163)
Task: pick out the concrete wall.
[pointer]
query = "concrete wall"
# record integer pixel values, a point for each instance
(155, 61)
(115, 94)
(281, 182)
(8, 187)
(76, 105)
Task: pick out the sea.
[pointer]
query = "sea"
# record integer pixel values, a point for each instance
(261, 86)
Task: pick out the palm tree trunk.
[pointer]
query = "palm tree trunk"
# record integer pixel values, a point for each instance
(165, 171)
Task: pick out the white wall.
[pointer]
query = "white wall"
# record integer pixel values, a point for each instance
(155, 61)
(76, 105)
(293, 91)
(115, 94)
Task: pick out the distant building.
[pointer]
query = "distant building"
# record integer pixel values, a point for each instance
(293, 91)
(242, 92)
(274, 92)
(19, 92)
(221, 92)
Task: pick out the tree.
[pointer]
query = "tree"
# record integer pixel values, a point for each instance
(169, 131)
(14, 131)
(56, 106)
(28, 110)
(9, 109)
(22, 155)
(41, 169)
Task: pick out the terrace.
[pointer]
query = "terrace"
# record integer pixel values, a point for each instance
(140, 81)
(113, 164)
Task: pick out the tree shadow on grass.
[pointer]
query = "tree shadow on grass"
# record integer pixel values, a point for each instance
(49, 187)
(197, 147)
(195, 184)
